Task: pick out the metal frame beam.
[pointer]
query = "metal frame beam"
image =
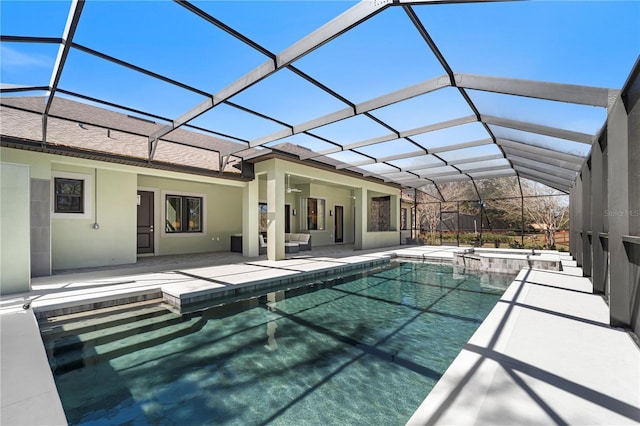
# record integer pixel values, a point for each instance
(339, 25)
(403, 134)
(539, 129)
(394, 157)
(546, 168)
(539, 150)
(538, 175)
(15, 88)
(141, 70)
(421, 2)
(452, 178)
(362, 108)
(462, 145)
(475, 159)
(499, 173)
(486, 169)
(554, 185)
(524, 156)
(30, 39)
(75, 10)
(569, 93)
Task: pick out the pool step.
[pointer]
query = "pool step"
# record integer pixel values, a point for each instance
(88, 321)
(73, 352)
(110, 331)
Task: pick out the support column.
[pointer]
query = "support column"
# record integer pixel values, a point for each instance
(275, 212)
(586, 220)
(598, 204)
(414, 231)
(250, 219)
(15, 233)
(361, 217)
(577, 237)
(572, 220)
(618, 214)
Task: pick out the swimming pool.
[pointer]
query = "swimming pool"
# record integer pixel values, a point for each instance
(363, 349)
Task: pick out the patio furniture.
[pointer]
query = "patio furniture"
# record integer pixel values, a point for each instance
(236, 243)
(291, 247)
(303, 240)
(262, 246)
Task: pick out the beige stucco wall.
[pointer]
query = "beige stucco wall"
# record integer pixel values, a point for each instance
(15, 255)
(336, 189)
(76, 243)
(223, 214)
(333, 196)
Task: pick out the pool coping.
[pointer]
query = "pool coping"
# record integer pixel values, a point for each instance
(539, 358)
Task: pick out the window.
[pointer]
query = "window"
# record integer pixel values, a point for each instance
(69, 195)
(262, 211)
(380, 214)
(313, 210)
(183, 214)
(403, 218)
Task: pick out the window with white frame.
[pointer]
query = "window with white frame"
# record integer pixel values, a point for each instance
(183, 214)
(313, 214)
(71, 195)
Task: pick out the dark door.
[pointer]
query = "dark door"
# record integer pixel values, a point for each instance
(339, 223)
(287, 219)
(145, 222)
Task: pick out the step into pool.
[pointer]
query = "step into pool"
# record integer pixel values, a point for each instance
(365, 348)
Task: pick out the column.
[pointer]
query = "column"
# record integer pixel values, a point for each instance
(250, 219)
(598, 205)
(15, 233)
(361, 218)
(586, 220)
(618, 214)
(275, 211)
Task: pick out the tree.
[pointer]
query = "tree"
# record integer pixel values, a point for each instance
(543, 208)
(547, 211)
(429, 208)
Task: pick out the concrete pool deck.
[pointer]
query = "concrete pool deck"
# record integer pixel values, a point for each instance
(540, 357)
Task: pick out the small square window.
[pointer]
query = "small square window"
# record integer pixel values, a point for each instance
(69, 195)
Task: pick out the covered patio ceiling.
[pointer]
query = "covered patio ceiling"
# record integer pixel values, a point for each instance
(414, 92)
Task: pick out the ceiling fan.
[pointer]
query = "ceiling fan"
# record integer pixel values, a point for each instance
(289, 188)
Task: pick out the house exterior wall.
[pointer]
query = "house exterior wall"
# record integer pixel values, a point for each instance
(337, 189)
(77, 242)
(15, 251)
(333, 196)
(223, 214)
(105, 233)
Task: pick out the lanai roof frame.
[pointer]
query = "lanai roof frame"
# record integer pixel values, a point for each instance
(541, 164)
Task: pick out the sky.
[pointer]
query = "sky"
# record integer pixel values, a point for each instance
(591, 43)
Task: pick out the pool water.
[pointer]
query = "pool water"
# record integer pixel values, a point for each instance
(363, 349)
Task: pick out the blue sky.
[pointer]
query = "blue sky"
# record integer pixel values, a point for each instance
(588, 43)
